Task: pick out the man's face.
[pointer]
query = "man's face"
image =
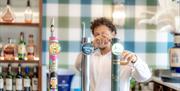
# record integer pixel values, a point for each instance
(104, 35)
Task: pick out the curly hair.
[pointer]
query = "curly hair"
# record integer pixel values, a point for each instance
(103, 21)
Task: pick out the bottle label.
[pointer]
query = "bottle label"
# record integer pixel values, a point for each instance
(8, 84)
(177, 39)
(19, 85)
(1, 83)
(21, 49)
(34, 84)
(26, 82)
(175, 57)
(30, 49)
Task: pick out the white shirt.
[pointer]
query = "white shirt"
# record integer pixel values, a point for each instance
(100, 70)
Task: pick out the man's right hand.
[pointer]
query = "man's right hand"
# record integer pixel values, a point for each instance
(101, 41)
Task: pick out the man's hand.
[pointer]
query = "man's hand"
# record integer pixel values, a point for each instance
(101, 41)
(128, 57)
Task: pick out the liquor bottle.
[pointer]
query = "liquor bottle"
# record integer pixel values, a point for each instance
(35, 80)
(8, 13)
(175, 54)
(22, 47)
(9, 50)
(30, 48)
(1, 80)
(9, 79)
(27, 80)
(28, 14)
(14, 82)
(19, 85)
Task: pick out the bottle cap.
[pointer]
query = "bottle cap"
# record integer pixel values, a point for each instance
(8, 2)
(27, 69)
(31, 35)
(28, 3)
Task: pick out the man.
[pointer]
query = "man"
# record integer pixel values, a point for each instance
(100, 68)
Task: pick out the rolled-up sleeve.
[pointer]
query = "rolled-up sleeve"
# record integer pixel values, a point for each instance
(140, 71)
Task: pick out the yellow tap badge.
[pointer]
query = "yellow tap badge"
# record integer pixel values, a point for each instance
(53, 82)
(54, 48)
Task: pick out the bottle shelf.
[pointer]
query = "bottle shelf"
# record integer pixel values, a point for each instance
(19, 24)
(19, 61)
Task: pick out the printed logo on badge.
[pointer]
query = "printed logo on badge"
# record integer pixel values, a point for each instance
(53, 82)
(117, 49)
(54, 48)
(87, 48)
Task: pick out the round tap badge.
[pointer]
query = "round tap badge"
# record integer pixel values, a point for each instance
(54, 48)
(87, 48)
(117, 49)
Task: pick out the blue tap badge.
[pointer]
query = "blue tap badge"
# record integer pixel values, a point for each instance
(87, 48)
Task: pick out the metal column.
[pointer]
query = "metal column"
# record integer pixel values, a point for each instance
(117, 49)
(87, 49)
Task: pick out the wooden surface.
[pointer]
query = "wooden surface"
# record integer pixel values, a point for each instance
(165, 85)
(20, 24)
(19, 61)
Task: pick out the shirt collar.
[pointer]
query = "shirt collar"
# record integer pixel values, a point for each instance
(98, 53)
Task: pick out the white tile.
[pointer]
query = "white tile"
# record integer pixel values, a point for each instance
(162, 60)
(74, 34)
(107, 11)
(74, 10)
(142, 56)
(97, 10)
(140, 35)
(140, 11)
(162, 36)
(52, 10)
(120, 34)
(72, 58)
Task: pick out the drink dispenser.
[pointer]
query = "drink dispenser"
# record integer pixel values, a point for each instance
(87, 49)
(117, 50)
(54, 49)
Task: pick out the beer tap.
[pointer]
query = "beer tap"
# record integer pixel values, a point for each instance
(54, 49)
(117, 50)
(86, 49)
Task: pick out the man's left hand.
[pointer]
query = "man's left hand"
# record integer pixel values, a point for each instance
(129, 56)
